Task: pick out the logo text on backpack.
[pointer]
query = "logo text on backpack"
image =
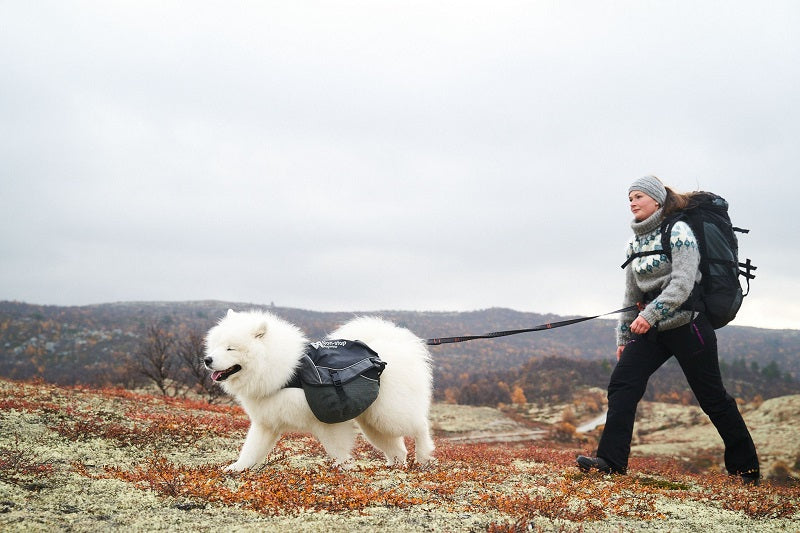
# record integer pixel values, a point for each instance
(328, 344)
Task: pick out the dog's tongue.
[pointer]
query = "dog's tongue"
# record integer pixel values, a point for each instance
(216, 374)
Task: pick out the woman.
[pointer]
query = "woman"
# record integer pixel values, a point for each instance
(665, 327)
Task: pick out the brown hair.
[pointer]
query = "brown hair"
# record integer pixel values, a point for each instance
(676, 201)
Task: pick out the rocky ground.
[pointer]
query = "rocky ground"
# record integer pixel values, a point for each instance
(685, 433)
(81, 460)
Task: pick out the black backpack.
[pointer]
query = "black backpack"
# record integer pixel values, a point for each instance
(340, 378)
(719, 294)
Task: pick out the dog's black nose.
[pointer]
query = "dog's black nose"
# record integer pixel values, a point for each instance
(208, 360)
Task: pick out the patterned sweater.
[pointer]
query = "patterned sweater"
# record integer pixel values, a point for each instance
(653, 273)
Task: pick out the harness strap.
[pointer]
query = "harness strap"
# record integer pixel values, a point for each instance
(549, 325)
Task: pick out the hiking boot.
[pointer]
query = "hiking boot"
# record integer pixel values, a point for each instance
(750, 479)
(596, 463)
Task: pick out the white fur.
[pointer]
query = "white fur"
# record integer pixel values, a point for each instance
(268, 349)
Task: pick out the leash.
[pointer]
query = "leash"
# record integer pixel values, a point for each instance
(549, 325)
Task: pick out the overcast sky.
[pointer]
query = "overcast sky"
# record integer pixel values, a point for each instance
(375, 155)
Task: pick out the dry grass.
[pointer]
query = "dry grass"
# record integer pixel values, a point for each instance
(77, 459)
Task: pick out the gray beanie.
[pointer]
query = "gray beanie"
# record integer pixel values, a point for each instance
(652, 187)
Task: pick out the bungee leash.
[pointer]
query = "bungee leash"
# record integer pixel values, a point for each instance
(549, 325)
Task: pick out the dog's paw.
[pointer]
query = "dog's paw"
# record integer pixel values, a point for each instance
(236, 467)
(426, 465)
(395, 463)
(346, 464)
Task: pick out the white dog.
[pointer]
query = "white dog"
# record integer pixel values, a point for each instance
(254, 354)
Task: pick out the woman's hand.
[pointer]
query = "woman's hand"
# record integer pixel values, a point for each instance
(619, 351)
(640, 326)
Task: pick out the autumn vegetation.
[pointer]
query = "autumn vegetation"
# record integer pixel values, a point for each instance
(117, 394)
(176, 448)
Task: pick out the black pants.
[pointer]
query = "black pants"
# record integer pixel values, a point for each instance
(695, 347)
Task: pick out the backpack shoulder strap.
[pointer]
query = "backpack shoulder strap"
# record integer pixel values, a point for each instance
(666, 231)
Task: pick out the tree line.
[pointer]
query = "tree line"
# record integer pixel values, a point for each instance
(554, 379)
(172, 363)
(160, 345)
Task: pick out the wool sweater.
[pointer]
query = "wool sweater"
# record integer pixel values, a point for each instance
(674, 279)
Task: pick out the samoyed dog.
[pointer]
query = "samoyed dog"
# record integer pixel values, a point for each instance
(254, 354)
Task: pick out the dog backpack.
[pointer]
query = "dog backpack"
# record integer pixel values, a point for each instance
(340, 378)
(719, 294)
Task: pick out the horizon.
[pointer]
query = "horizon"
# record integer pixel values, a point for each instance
(606, 317)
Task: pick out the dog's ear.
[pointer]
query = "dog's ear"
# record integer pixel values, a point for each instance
(260, 331)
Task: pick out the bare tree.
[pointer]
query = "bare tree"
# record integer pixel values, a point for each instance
(155, 360)
(191, 350)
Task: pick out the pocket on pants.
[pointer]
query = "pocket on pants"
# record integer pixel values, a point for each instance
(702, 336)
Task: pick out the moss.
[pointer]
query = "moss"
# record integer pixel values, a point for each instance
(661, 483)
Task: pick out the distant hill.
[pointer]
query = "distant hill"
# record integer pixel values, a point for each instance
(89, 344)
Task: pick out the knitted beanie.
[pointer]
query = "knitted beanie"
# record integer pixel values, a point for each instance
(652, 187)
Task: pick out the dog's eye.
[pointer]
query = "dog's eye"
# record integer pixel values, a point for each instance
(230, 349)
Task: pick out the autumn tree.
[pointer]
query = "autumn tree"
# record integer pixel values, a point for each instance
(518, 396)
